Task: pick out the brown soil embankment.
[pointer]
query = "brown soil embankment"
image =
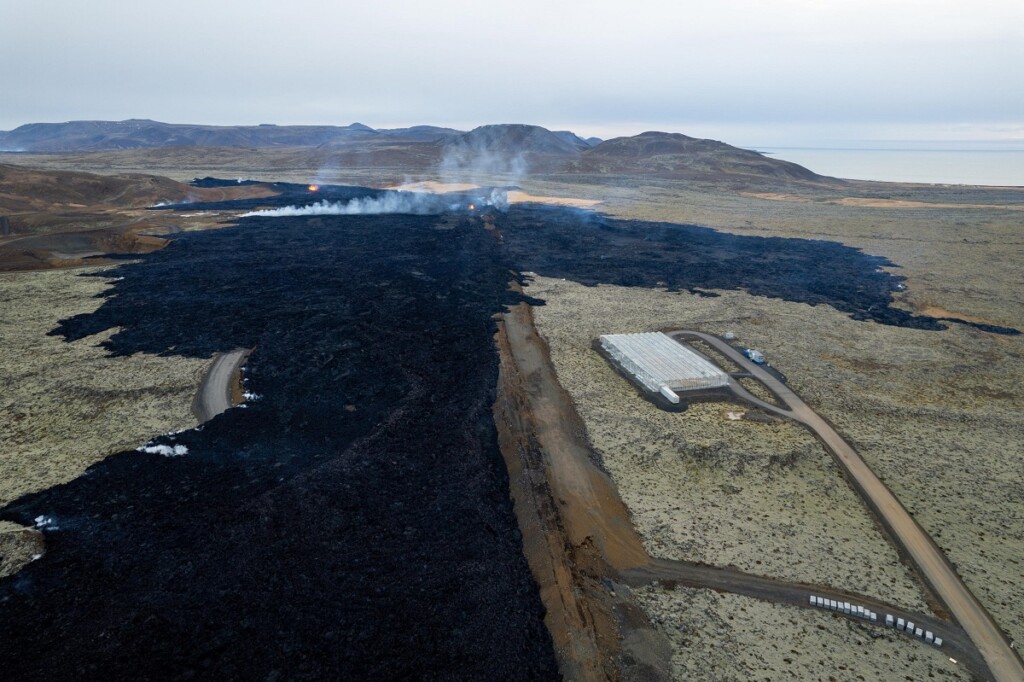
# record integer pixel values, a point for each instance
(577, 534)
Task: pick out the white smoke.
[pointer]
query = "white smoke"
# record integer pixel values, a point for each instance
(482, 157)
(392, 202)
(189, 199)
(498, 198)
(413, 203)
(476, 164)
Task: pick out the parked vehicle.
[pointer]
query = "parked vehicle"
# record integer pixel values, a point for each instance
(754, 355)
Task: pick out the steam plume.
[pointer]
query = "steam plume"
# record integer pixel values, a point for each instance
(414, 203)
(481, 157)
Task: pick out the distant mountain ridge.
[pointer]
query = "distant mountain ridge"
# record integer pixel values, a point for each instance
(356, 144)
(142, 133)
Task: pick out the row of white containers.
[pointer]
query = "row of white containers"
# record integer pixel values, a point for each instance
(844, 607)
(908, 626)
(891, 621)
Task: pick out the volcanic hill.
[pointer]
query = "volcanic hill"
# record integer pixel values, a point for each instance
(681, 155)
(58, 218)
(24, 189)
(517, 138)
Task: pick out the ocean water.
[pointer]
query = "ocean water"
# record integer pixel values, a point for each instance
(912, 162)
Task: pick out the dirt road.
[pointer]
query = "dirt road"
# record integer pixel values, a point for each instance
(579, 538)
(218, 391)
(727, 579)
(1003, 662)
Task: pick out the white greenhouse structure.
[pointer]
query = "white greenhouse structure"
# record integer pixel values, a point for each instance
(661, 364)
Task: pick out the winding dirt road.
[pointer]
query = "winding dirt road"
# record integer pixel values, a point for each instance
(932, 563)
(218, 391)
(727, 579)
(580, 540)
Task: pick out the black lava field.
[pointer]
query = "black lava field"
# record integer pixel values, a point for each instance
(354, 522)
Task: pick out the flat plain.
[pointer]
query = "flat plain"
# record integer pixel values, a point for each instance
(934, 413)
(728, 637)
(66, 406)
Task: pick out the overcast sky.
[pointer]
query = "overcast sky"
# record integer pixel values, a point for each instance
(770, 73)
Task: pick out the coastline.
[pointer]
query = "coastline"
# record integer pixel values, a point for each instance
(995, 167)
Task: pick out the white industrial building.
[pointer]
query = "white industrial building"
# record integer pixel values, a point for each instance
(661, 364)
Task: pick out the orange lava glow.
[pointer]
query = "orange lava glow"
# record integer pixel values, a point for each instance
(314, 188)
(472, 207)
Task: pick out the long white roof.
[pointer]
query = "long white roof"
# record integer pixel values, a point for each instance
(665, 361)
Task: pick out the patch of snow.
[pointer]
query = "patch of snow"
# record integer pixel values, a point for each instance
(46, 522)
(165, 450)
